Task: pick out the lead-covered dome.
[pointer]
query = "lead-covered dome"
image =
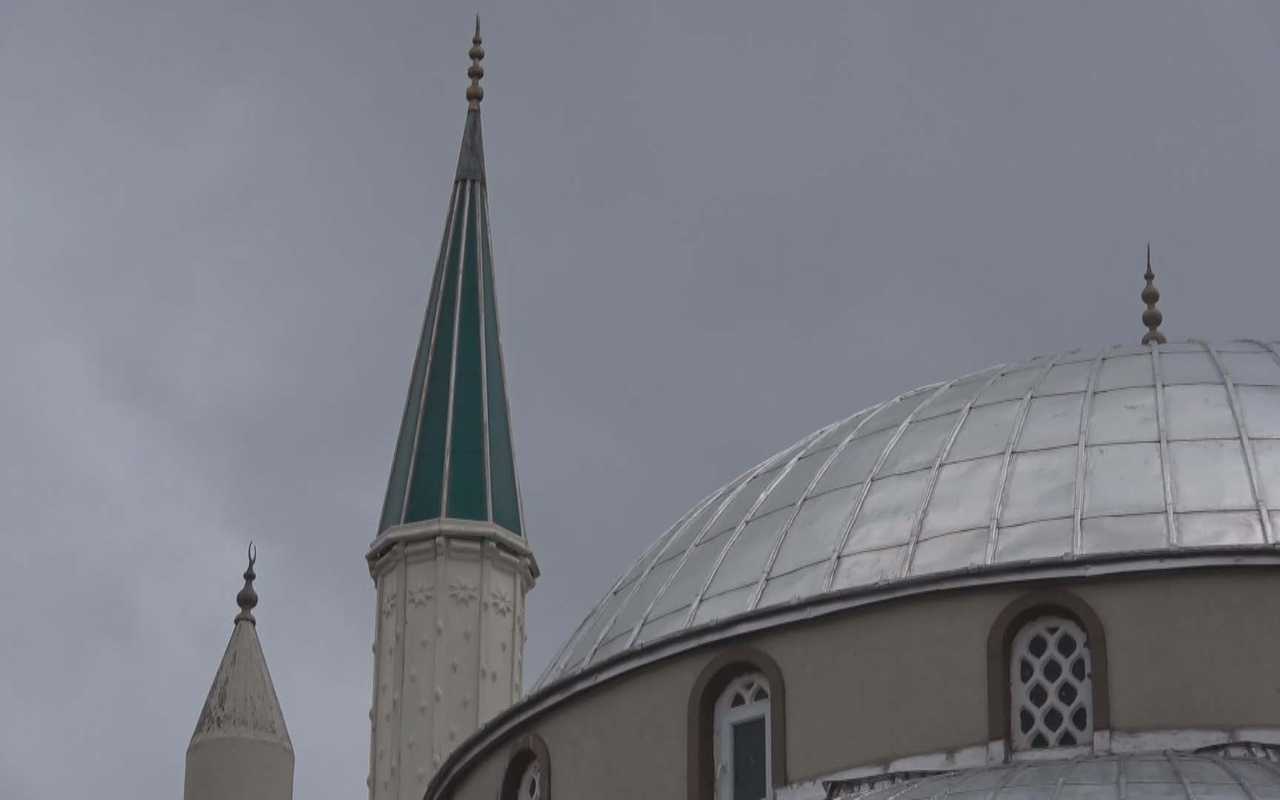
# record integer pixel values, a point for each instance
(1131, 450)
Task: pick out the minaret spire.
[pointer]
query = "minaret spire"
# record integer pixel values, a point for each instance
(453, 458)
(241, 749)
(450, 563)
(1152, 317)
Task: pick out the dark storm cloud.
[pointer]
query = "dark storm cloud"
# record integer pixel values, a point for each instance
(715, 230)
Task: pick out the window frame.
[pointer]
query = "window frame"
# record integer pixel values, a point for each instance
(727, 716)
(719, 673)
(526, 750)
(1050, 628)
(1010, 622)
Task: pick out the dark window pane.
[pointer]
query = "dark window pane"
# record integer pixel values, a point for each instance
(1053, 719)
(1038, 695)
(748, 760)
(1067, 693)
(1077, 669)
(1025, 670)
(1052, 669)
(1080, 718)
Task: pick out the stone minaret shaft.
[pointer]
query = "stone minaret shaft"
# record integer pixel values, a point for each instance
(450, 563)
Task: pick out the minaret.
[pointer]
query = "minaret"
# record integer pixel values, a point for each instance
(241, 748)
(450, 563)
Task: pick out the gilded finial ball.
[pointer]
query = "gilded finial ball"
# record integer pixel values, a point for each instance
(476, 53)
(474, 93)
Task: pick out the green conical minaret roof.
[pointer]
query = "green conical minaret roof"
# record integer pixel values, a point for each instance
(453, 458)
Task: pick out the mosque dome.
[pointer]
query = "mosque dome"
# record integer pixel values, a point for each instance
(1122, 458)
(1237, 771)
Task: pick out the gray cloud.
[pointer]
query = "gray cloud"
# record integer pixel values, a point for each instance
(716, 229)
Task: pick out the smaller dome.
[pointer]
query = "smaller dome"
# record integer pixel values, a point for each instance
(1082, 456)
(1231, 772)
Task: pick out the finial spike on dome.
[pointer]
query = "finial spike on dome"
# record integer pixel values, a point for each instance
(1152, 317)
(475, 72)
(247, 598)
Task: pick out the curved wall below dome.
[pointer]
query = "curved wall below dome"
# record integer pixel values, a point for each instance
(1187, 649)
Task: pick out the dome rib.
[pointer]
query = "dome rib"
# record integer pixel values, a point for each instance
(782, 474)
(635, 585)
(1250, 458)
(847, 527)
(1002, 485)
(1162, 429)
(1115, 455)
(786, 528)
(729, 497)
(917, 523)
(1082, 451)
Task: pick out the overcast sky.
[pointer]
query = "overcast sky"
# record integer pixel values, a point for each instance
(715, 228)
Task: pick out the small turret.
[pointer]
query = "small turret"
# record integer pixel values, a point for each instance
(241, 749)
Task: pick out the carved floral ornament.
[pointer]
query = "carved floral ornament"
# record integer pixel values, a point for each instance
(463, 592)
(500, 603)
(421, 594)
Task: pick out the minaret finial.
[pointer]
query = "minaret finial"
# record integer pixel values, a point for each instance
(1152, 317)
(247, 598)
(475, 72)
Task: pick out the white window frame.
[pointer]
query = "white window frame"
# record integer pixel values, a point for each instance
(1019, 692)
(727, 715)
(530, 785)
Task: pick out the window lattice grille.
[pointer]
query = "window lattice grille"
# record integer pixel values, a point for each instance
(1052, 685)
(746, 690)
(530, 782)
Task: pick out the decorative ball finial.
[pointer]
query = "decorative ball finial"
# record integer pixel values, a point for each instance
(475, 72)
(1152, 317)
(247, 598)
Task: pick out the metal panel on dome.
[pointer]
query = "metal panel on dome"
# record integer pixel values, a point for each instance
(816, 528)
(1130, 451)
(1123, 415)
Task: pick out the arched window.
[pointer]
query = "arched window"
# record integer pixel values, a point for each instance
(530, 787)
(737, 728)
(742, 739)
(1047, 674)
(1052, 686)
(528, 773)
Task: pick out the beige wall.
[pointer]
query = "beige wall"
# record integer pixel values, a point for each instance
(1195, 649)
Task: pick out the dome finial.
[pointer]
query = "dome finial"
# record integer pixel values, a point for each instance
(247, 598)
(1152, 317)
(475, 72)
